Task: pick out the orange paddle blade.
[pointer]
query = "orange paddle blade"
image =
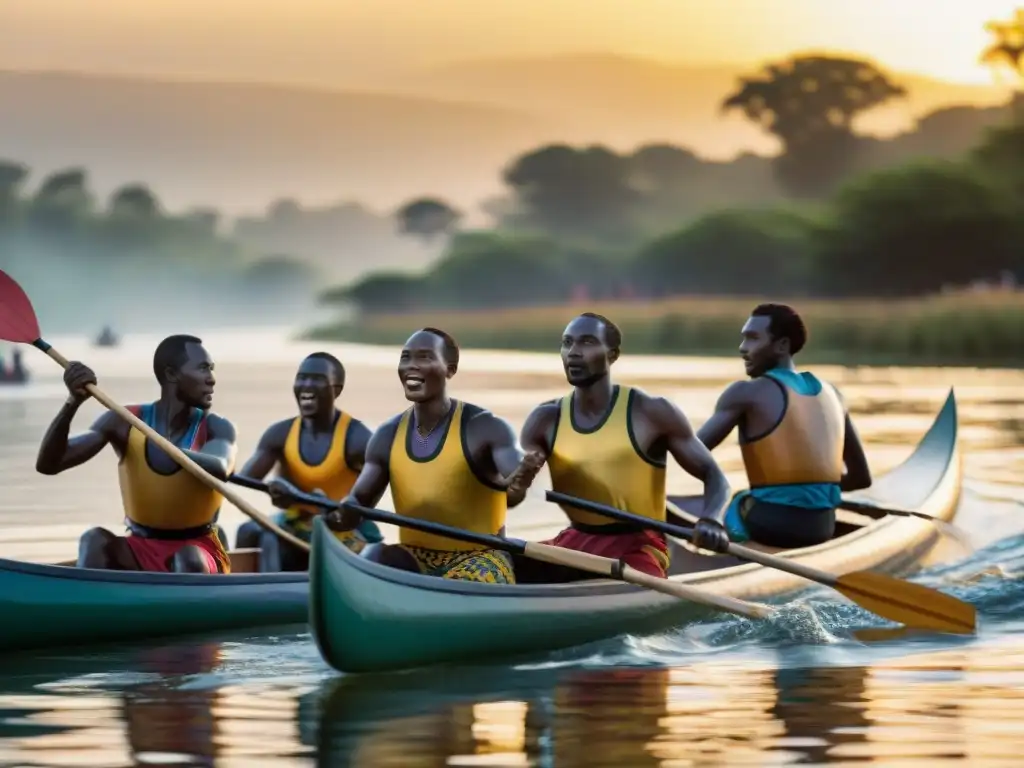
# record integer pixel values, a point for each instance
(17, 317)
(914, 605)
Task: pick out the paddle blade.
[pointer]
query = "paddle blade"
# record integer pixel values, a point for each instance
(914, 605)
(886, 634)
(17, 317)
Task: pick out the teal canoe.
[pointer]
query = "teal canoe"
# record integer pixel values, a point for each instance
(48, 606)
(367, 617)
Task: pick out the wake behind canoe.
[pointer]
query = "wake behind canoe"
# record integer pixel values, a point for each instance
(370, 618)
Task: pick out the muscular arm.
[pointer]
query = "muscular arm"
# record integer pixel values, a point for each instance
(356, 444)
(217, 456)
(58, 452)
(691, 454)
(536, 432)
(268, 451)
(857, 474)
(729, 410)
(374, 477)
(505, 452)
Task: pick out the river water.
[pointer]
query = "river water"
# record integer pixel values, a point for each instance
(797, 691)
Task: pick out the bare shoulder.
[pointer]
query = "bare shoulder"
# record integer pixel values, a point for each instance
(276, 434)
(220, 428)
(744, 391)
(485, 423)
(658, 410)
(386, 431)
(654, 404)
(358, 429)
(355, 423)
(110, 425)
(545, 414)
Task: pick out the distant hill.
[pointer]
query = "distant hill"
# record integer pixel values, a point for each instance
(447, 131)
(238, 146)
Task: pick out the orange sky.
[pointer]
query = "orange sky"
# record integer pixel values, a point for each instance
(335, 41)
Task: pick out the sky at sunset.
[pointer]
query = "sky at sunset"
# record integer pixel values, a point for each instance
(341, 42)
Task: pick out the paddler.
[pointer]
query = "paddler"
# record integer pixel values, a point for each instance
(795, 436)
(446, 461)
(170, 516)
(609, 443)
(320, 450)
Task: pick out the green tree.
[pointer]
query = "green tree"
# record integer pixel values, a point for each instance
(62, 203)
(581, 193)
(911, 230)
(662, 168)
(1006, 51)
(12, 176)
(380, 292)
(136, 201)
(731, 252)
(427, 218)
(809, 103)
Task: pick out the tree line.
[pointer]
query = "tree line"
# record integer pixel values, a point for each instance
(831, 215)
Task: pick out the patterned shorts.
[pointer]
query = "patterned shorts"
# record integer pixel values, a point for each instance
(488, 565)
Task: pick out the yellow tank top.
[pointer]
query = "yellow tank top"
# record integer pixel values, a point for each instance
(332, 475)
(443, 488)
(171, 502)
(605, 465)
(806, 446)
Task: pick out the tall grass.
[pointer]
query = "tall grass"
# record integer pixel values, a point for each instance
(970, 328)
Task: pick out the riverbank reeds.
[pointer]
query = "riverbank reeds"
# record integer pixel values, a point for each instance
(982, 328)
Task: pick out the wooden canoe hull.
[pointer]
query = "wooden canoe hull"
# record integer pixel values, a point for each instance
(370, 618)
(47, 606)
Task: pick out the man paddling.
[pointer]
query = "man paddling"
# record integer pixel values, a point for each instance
(170, 515)
(320, 450)
(609, 443)
(446, 461)
(795, 437)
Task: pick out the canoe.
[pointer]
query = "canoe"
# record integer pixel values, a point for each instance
(48, 606)
(366, 617)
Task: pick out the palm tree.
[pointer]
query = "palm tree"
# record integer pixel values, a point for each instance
(1007, 52)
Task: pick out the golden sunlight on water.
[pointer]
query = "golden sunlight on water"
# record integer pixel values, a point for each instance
(765, 699)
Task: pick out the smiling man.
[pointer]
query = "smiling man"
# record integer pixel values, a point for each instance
(170, 515)
(320, 450)
(795, 435)
(446, 461)
(609, 443)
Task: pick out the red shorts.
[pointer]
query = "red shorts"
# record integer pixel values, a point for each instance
(156, 554)
(644, 550)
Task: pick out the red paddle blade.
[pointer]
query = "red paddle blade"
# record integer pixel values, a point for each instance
(17, 318)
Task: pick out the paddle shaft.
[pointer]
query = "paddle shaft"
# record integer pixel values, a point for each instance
(753, 555)
(877, 511)
(547, 553)
(176, 453)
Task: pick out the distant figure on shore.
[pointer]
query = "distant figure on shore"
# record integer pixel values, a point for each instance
(16, 373)
(107, 338)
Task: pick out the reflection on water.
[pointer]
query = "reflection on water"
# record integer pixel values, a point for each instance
(923, 711)
(717, 694)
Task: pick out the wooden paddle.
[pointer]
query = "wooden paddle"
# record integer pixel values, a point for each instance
(547, 553)
(877, 511)
(895, 599)
(18, 324)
